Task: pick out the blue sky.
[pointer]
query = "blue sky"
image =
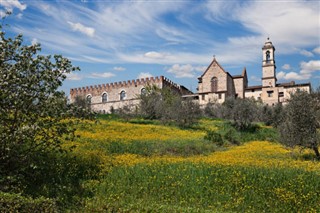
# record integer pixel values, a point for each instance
(115, 41)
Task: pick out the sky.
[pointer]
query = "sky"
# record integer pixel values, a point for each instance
(114, 40)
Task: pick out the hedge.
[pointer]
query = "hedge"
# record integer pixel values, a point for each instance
(18, 203)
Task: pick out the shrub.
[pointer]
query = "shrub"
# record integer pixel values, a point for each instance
(18, 203)
(214, 137)
(299, 127)
(168, 106)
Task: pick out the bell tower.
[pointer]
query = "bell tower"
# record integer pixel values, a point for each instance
(268, 65)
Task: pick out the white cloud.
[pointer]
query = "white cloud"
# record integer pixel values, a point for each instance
(291, 76)
(19, 15)
(11, 4)
(34, 41)
(255, 78)
(306, 53)
(219, 10)
(119, 68)
(185, 71)
(306, 71)
(272, 18)
(101, 75)
(144, 75)
(89, 31)
(124, 31)
(286, 67)
(309, 67)
(316, 50)
(200, 68)
(74, 77)
(264, 18)
(154, 55)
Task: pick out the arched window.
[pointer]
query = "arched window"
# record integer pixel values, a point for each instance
(88, 99)
(143, 91)
(122, 95)
(104, 98)
(214, 84)
(268, 56)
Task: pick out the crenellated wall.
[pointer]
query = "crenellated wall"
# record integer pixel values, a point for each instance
(131, 88)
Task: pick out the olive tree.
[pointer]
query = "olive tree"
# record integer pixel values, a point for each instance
(168, 106)
(299, 127)
(241, 111)
(33, 113)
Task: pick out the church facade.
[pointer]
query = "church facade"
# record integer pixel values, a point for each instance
(214, 85)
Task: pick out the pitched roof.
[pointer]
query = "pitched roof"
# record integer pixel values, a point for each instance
(214, 61)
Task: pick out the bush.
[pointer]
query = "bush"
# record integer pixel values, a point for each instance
(214, 137)
(168, 106)
(18, 203)
(241, 111)
(299, 127)
(272, 115)
(60, 177)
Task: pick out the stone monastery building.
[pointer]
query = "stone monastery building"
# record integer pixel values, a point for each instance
(214, 85)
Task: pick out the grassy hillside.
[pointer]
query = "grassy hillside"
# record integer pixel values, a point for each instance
(148, 167)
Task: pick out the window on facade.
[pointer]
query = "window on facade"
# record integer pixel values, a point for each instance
(270, 93)
(214, 84)
(203, 97)
(88, 99)
(143, 91)
(268, 56)
(104, 98)
(219, 96)
(281, 94)
(122, 95)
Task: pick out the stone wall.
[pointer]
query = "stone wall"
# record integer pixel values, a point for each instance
(132, 89)
(239, 87)
(214, 70)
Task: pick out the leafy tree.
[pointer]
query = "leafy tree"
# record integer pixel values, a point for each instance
(299, 127)
(316, 101)
(271, 115)
(151, 102)
(242, 111)
(185, 112)
(168, 106)
(33, 113)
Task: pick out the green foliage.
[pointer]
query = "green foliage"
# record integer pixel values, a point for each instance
(227, 134)
(60, 176)
(151, 102)
(35, 120)
(18, 203)
(202, 187)
(299, 127)
(272, 115)
(214, 137)
(160, 148)
(82, 109)
(169, 107)
(241, 111)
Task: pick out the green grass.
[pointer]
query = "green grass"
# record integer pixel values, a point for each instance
(173, 148)
(188, 187)
(230, 135)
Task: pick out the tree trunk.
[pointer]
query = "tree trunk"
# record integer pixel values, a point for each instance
(316, 150)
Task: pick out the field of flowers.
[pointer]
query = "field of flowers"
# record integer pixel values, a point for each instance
(155, 168)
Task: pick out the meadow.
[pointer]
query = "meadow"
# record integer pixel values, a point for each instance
(149, 167)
